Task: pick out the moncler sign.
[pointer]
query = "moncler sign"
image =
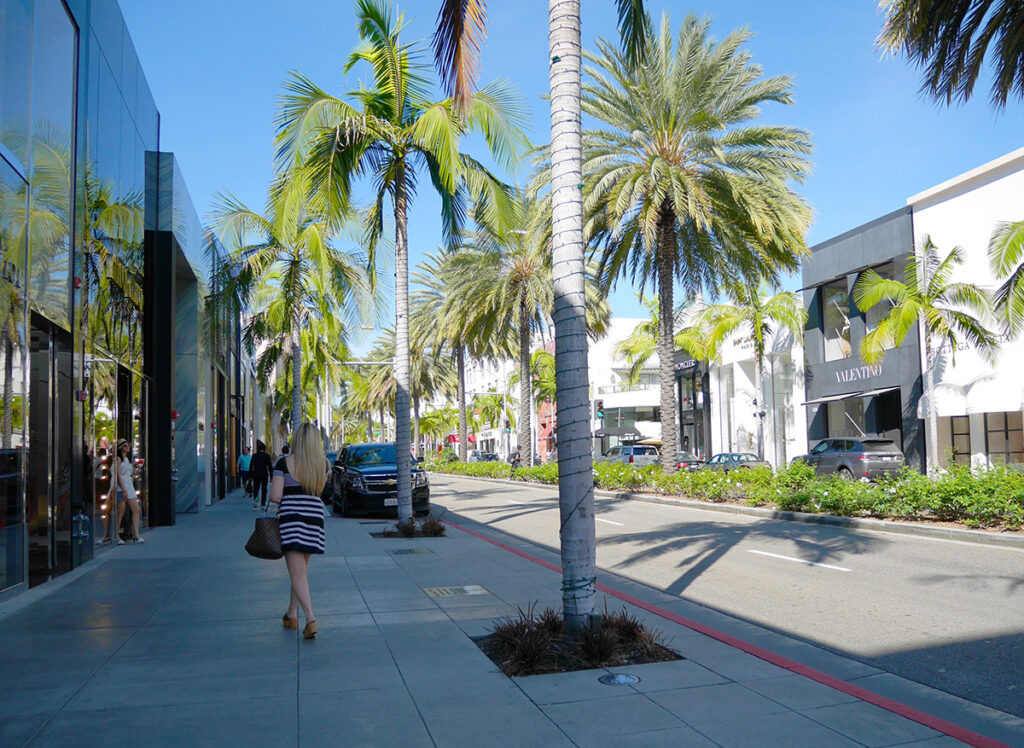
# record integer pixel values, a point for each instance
(858, 373)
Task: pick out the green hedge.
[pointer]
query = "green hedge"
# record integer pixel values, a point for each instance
(991, 498)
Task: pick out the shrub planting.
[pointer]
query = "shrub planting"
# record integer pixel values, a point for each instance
(992, 498)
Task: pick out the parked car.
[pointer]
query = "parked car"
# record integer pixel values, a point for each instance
(365, 481)
(854, 458)
(632, 454)
(735, 461)
(688, 461)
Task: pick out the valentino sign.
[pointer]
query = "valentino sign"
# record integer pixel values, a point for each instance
(859, 372)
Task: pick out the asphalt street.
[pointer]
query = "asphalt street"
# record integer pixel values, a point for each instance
(946, 614)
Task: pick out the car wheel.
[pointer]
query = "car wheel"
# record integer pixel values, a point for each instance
(844, 473)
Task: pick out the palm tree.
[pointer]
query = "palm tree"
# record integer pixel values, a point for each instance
(397, 130)
(758, 315)
(949, 313)
(285, 264)
(952, 40)
(1006, 256)
(575, 485)
(683, 185)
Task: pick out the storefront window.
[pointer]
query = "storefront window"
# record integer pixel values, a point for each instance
(846, 417)
(15, 67)
(955, 440)
(1004, 438)
(53, 98)
(835, 315)
(12, 435)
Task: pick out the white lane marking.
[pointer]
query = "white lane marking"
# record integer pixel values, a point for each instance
(798, 560)
(608, 521)
(520, 503)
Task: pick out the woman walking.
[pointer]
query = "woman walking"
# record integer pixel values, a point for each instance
(299, 478)
(125, 474)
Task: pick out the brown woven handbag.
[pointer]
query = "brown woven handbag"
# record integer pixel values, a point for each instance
(265, 541)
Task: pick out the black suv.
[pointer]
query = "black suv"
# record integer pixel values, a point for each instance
(854, 458)
(364, 480)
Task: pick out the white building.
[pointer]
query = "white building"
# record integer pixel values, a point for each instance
(979, 403)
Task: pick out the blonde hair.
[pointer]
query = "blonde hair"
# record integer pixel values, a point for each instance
(309, 459)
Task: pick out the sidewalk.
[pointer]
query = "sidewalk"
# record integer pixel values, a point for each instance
(179, 642)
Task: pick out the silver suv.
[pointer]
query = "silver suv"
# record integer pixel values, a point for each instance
(632, 454)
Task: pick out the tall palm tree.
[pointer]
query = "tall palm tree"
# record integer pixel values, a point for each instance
(575, 485)
(396, 130)
(955, 41)
(948, 312)
(758, 315)
(285, 261)
(1006, 256)
(684, 185)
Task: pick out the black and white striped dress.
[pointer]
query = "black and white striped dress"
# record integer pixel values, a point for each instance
(300, 515)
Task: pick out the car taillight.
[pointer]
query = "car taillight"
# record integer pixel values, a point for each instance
(862, 457)
(631, 459)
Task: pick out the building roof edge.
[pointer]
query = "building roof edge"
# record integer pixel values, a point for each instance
(977, 174)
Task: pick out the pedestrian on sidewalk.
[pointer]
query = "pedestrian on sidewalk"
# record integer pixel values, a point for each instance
(126, 495)
(243, 470)
(298, 481)
(260, 467)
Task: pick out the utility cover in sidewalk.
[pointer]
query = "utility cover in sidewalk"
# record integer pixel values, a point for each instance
(618, 679)
(469, 589)
(407, 551)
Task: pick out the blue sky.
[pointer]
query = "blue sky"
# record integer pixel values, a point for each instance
(215, 68)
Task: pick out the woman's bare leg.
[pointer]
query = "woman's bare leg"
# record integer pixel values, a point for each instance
(133, 504)
(120, 516)
(293, 601)
(297, 563)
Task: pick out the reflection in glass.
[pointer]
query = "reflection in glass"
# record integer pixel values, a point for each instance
(835, 308)
(15, 67)
(102, 425)
(12, 437)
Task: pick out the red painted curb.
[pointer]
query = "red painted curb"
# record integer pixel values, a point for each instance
(928, 720)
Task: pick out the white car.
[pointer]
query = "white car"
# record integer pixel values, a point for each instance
(632, 454)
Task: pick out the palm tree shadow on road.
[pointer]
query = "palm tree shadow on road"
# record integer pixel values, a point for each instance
(703, 544)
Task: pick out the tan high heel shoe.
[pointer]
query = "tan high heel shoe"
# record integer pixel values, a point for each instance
(290, 623)
(310, 631)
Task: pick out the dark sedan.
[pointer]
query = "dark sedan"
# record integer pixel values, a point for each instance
(325, 495)
(365, 481)
(865, 459)
(735, 461)
(688, 461)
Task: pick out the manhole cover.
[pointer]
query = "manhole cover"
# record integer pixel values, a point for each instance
(409, 551)
(469, 589)
(619, 679)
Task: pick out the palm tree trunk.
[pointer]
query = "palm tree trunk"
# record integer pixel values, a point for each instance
(402, 379)
(460, 355)
(666, 345)
(296, 345)
(369, 425)
(8, 423)
(416, 427)
(525, 381)
(575, 470)
(932, 457)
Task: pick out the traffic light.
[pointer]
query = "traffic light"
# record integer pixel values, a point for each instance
(600, 409)
(508, 426)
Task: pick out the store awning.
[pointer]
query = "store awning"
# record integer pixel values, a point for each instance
(879, 391)
(950, 400)
(833, 398)
(622, 432)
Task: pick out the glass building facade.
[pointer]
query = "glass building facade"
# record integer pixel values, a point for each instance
(103, 292)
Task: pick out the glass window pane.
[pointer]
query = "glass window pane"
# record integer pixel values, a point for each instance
(1013, 419)
(12, 431)
(53, 96)
(15, 75)
(996, 441)
(835, 316)
(1016, 441)
(995, 421)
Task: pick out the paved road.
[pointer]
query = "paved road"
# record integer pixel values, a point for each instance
(946, 614)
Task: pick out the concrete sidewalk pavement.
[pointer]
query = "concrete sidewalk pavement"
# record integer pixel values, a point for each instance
(178, 641)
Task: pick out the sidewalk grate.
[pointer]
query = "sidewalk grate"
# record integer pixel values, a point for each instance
(469, 589)
(409, 551)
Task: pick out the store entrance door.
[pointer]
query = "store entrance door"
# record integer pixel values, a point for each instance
(51, 531)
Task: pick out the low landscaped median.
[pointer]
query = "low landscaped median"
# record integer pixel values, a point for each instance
(989, 499)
